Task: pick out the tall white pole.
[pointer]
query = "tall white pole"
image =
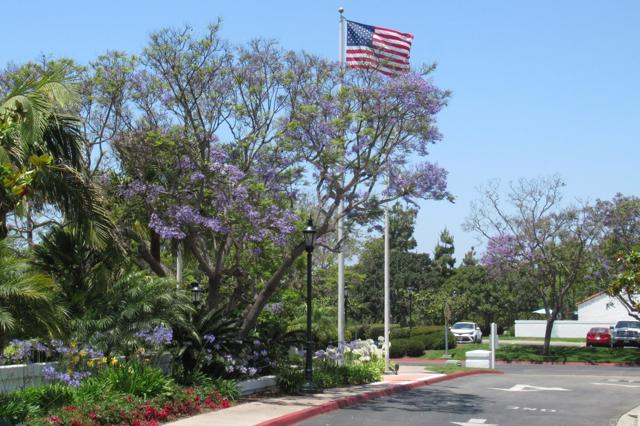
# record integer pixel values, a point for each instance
(387, 302)
(341, 317)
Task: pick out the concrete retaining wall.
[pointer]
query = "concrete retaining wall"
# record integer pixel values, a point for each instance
(19, 376)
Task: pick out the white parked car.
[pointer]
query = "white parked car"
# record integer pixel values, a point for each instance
(467, 332)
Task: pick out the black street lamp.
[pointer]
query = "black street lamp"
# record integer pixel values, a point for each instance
(309, 233)
(197, 293)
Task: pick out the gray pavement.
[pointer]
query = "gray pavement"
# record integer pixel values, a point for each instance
(526, 395)
(257, 410)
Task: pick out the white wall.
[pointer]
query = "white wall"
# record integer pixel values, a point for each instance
(18, 376)
(561, 328)
(603, 309)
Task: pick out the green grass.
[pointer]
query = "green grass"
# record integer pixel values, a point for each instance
(446, 369)
(541, 339)
(456, 353)
(569, 354)
(629, 356)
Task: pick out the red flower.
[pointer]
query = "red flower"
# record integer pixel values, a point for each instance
(92, 415)
(71, 408)
(225, 403)
(77, 422)
(55, 420)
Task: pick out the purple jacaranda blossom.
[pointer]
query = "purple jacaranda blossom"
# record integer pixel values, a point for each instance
(165, 230)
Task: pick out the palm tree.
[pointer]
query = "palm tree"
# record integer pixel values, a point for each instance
(27, 299)
(41, 162)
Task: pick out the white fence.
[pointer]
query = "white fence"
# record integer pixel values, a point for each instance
(561, 328)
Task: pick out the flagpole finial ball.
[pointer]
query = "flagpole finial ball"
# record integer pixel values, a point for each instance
(340, 10)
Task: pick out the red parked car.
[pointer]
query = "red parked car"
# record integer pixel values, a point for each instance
(598, 336)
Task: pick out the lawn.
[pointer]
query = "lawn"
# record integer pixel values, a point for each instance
(541, 339)
(629, 356)
(456, 353)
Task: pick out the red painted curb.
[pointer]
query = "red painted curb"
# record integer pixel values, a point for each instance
(298, 416)
(593, 364)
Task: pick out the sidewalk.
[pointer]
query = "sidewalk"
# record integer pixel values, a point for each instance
(631, 418)
(287, 410)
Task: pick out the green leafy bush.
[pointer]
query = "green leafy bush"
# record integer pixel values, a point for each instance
(362, 362)
(289, 378)
(16, 406)
(435, 340)
(410, 347)
(14, 411)
(364, 373)
(131, 378)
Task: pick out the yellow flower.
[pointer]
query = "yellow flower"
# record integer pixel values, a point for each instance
(103, 360)
(114, 362)
(91, 363)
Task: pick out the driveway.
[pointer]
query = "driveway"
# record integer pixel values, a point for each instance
(535, 395)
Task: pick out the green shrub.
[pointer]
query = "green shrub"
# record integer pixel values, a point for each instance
(435, 340)
(36, 400)
(400, 333)
(410, 347)
(15, 411)
(364, 373)
(131, 378)
(228, 388)
(289, 378)
(426, 329)
(370, 331)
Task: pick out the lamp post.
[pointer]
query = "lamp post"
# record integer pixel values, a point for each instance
(309, 233)
(197, 293)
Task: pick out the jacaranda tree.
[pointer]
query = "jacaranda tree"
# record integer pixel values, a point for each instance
(226, 150)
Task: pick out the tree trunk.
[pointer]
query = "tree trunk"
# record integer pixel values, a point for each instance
(547, 334)
(251, 315)
(155, 245)
(213, 295)
(4, 230)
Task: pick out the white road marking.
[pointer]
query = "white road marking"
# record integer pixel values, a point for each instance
(529, 388)
(617, 384)
(473, 422)
(541, 410)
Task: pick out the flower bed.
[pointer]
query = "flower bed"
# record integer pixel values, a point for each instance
(360, 362)
(130, 394)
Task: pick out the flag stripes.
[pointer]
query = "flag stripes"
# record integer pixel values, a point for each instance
(382, 49)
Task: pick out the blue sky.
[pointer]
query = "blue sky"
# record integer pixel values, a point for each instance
(539, 87)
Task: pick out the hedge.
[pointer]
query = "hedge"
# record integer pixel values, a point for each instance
(422, 338)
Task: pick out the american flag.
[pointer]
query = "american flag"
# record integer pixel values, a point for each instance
(381, 49)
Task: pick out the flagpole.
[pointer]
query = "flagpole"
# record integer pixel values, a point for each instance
(341, 316)
(387, 287)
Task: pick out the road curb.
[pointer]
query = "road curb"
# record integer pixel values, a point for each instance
(501, 362)
(298, 416)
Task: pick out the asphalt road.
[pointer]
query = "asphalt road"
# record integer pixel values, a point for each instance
(524, 396)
